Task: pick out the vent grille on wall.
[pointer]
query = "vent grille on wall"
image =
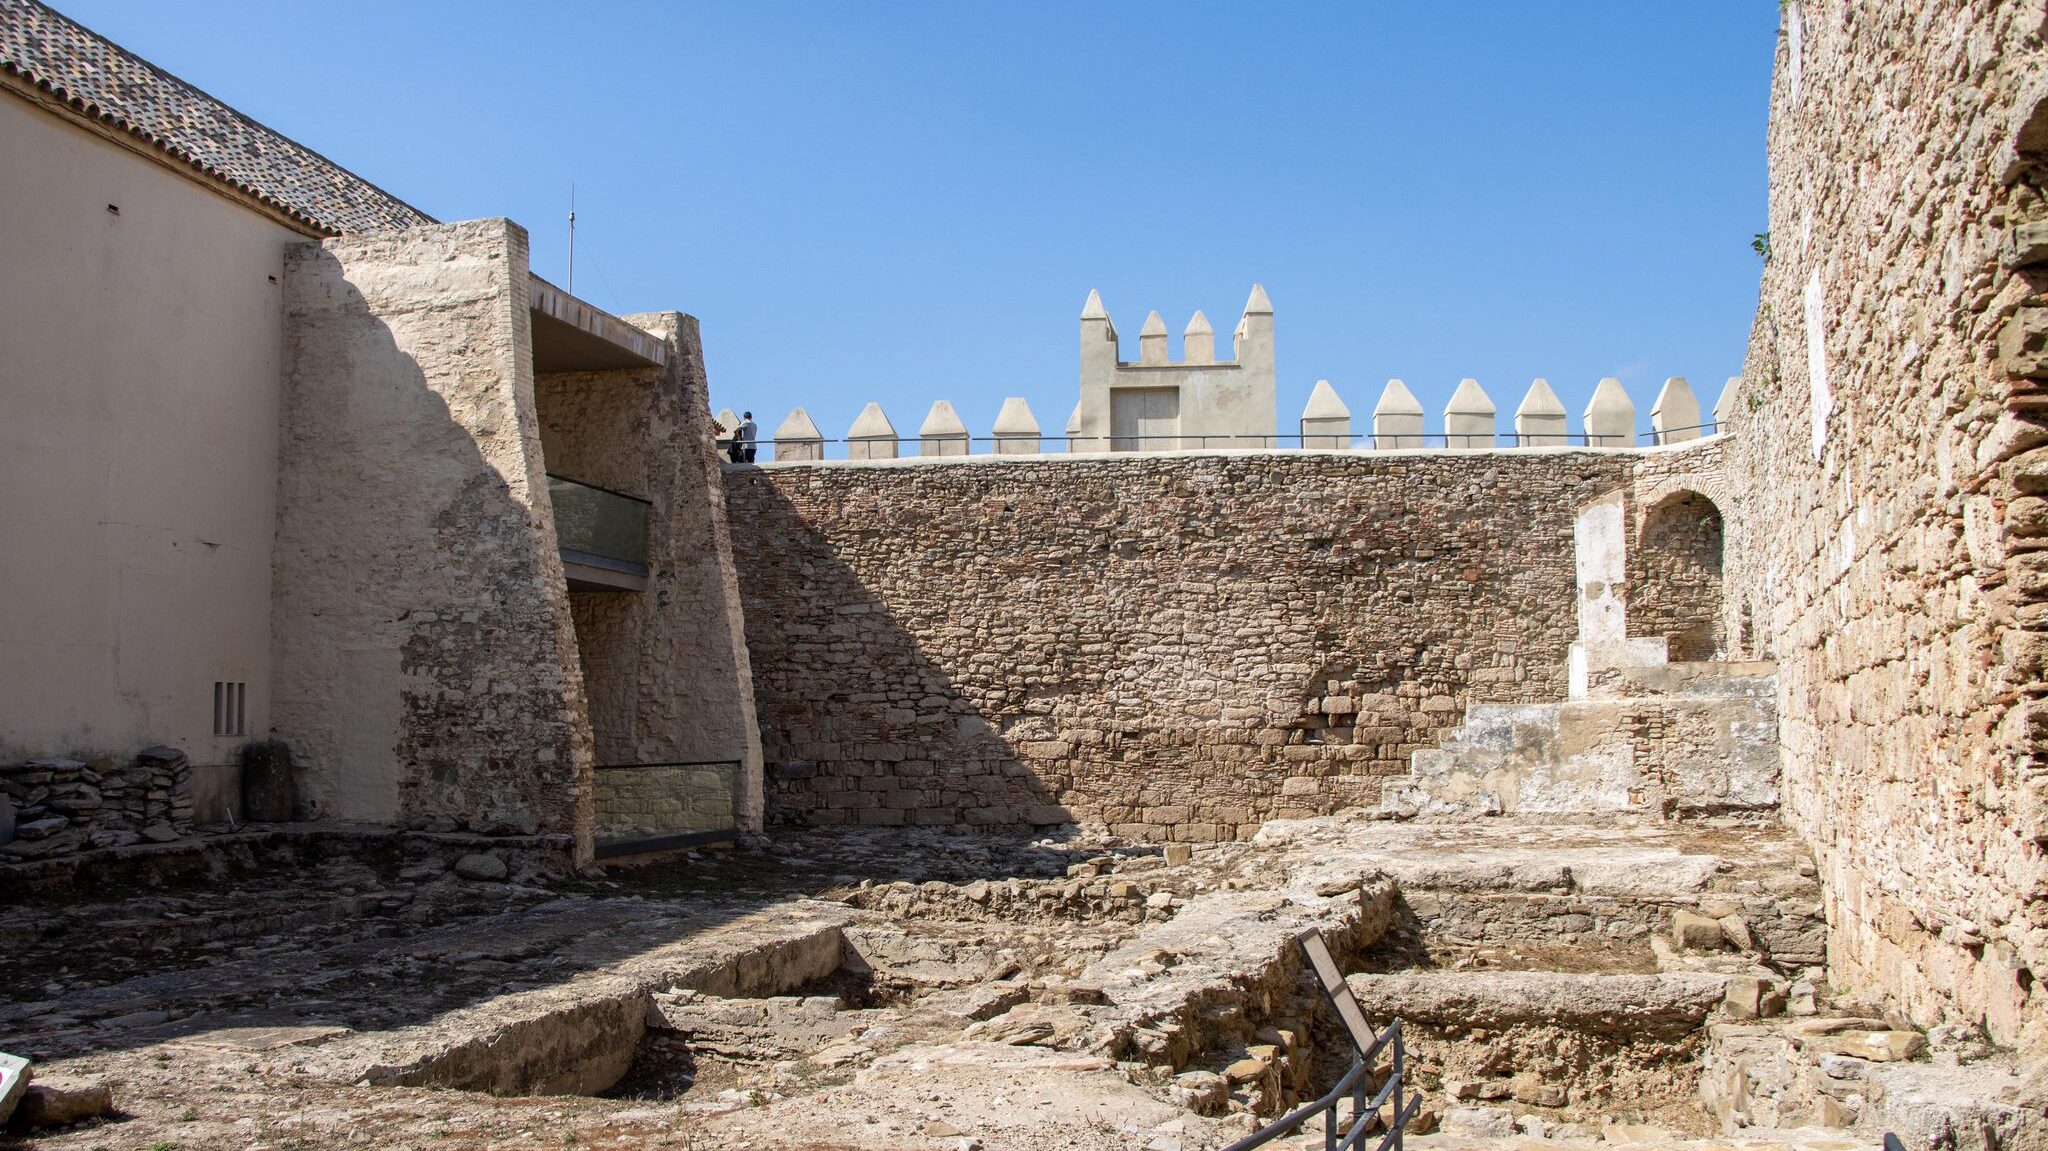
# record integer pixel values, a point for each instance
(230, 708)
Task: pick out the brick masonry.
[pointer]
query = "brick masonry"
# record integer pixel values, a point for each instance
(1177, 646)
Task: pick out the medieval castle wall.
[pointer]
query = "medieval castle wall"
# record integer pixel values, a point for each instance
(1178, 646)
(665, 669)
(426, 665)
(1885, 452)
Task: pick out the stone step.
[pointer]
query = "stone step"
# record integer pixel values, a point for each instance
(1692, 738)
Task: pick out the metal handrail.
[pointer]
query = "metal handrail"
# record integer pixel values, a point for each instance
(669, 763)
(1352, 1084)
(601, 488)
(1292, 1121)
(1200, 441)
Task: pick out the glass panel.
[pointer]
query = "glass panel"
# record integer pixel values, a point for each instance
(599, 523)
(659, 800)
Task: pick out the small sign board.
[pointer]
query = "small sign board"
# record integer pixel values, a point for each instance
(13, 1082)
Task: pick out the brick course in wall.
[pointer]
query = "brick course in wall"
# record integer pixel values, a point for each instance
(1180, 647)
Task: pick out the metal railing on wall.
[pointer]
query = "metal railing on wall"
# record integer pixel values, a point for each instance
(643, 807)
(954, 447)
(1370, 1045)
(598, 525)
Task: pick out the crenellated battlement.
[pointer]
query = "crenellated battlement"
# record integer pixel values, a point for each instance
(1198, 403)
(1470, 421)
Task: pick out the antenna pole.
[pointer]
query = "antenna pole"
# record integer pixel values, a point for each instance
(571, 286)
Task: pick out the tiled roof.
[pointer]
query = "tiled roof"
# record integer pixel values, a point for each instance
(110, 84)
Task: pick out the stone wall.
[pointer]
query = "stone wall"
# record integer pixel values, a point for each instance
(1886, 548)
(424, 652)
(1176, 646)
(665, 669)
(1676, 591)
(662, 800)
(60, 806)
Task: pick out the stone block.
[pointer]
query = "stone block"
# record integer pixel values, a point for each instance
(2028, 245)
(481, 866)
(1750, 997)
(2023, 344)
(1691, 931)
(1889, 1046)
(269, 792)
(60, 1101)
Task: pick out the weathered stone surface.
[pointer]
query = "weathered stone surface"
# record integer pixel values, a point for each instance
(427, 669)
(901, 616)
(1639, 1004)
(59, 1101)
(1876, 1046)
(1887, 598)
(482, 866)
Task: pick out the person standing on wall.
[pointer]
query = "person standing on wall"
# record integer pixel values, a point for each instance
(744, 443)
(726, 440)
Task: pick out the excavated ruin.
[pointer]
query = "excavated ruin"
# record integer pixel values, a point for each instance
(1570, 978)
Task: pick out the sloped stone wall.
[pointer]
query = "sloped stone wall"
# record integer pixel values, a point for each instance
(425, 658)
(665, 669)
(1176, 646)
(1884, 444)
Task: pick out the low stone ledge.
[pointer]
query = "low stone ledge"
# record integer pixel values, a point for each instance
(1650, 1006)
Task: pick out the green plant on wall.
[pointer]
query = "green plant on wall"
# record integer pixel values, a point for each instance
(1761, 245)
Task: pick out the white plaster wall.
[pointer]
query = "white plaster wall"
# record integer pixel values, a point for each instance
(140, 356)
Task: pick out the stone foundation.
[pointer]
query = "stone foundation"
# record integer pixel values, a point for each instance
(63, 806)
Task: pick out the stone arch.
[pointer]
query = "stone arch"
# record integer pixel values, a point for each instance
(1675, 584)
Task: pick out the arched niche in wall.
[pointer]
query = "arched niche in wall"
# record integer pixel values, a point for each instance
(1674, 587)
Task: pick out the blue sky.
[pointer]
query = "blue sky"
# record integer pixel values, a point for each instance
(906, 202)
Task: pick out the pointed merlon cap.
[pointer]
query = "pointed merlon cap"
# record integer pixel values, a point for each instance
(1397, 400)
(1676, 414)
(1093, 309)
(1325, 404)
(1470, 400)
(1258, 304)
(1198, 343)
(1610, 416)
(1073, 421)
(1016, 419)
(1152, 341)
(1540, 401)
(1724, 408)
(798, 426)
(871, 424)
(726, 420)
(942, 420)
